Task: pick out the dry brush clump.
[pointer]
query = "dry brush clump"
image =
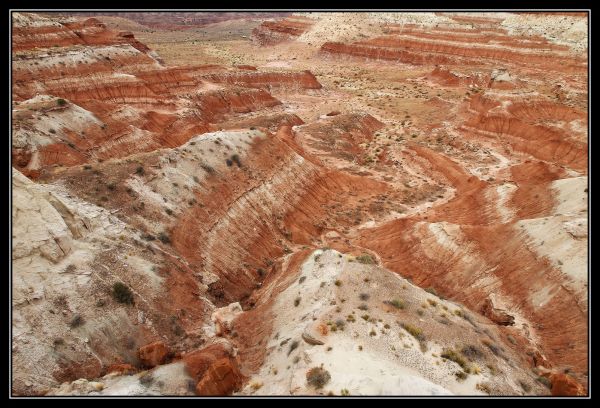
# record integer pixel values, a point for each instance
(317, 377)
(122, 294)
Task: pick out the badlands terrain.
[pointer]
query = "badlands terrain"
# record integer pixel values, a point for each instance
(311, 204)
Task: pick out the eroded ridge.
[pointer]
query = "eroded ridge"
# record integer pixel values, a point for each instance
(318, 204)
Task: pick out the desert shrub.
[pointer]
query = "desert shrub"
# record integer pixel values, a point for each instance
(364, 296)
(297, 301)
(147, 379)
(545, 381)
(456, 357)
(431, 290)
(471, 352)
(148, 237)
(122, 294)
(52, 131)
(87, 167)
(169, 211)
(302, 279)
(340, 324)
(318, 377)
(460, 375)
(164, 238)
(76, 321)
(493, 348)
(432, 302)
(229, 162)
(365, 259)
(139, 170)
(414, 331)
(61, 102)
(236, 159)
(261, 272)
(293, 346)
(338, 282)
(397, 303)
(526, 387)
(207, 168)
(363, 307)
(469, 319)
(344, 392)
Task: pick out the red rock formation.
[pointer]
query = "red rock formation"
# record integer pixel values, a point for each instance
(153, 354)
(304, 79)
(273, 32)
(565, 386)
(118, 77)
(222, 378)
(225, 226)
(421, 51)
(497, 316)
(215, 371)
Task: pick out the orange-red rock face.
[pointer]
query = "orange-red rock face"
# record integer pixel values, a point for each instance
(565, 386)
(138, 104)
(273, 32)
(462, 48)
(153, 354)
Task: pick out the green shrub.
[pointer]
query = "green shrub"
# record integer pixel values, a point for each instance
(61, 102)
(122, 294)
